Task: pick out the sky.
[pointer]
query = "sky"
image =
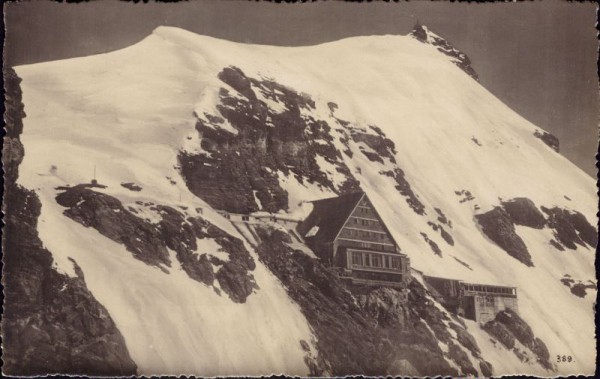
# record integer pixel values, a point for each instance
(538, 57)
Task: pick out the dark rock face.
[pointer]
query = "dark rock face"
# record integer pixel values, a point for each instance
(132, 187)
(500, 332)
(522, 211)
(149, 242)
(466, 196)
(571, 228)
(107, 215)
(549, 139)
(466, 339)
(12, 152)
(498, 226)
(462, 359)
(372, 331)
(586, 231)
(487, 369)
(578, 288)
(445, 235)
(384, 147)
(442, 217)
(403, 186)
(508, 326)
(51, 322)
(422, 34)
(235, 168)
(434, 246)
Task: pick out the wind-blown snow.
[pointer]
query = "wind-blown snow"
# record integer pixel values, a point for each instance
(129, 112)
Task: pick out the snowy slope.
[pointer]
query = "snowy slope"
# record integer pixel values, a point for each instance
(131, 112)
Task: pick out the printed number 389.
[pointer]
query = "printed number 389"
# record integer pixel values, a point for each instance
(564, 358)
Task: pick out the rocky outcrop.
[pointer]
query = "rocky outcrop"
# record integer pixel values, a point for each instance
(366, 330)
(498, 227)
(403, 186)
(522, 211)
(549, 139)
(132, 186)
(578, 288)
(434, 246)
(107, 215)
(571, 227)
(384, 147)
(508, 326)
(236, 169)
(148, 241)
(12, 152)
(442, 217)
(445, 235)
(51, 323)
(423, 34)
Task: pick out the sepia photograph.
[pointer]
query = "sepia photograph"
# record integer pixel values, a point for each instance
(308, 189)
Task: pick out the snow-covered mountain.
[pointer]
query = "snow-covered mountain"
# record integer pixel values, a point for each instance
(180, 126)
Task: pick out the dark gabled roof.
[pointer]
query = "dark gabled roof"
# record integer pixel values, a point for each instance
(330, 215)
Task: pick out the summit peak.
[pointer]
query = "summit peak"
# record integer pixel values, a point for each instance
(423, 33)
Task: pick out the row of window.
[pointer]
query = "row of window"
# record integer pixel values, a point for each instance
(364, 233)
(500, 290)
(487, 301)
(364, 222)
(376, 260)
(364, 210)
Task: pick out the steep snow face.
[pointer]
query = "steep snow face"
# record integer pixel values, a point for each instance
(458, 149)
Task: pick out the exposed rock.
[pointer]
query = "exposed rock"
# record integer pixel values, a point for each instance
(423, 34)
(586, 231)
(107, 215)
(132, 186)
(403, 186)
(442, 217)
(466, 196)
(51, 322)
(235, 169)
(445, 235)
(463, 263)
(571, 228)
(385, 305)
(578, 288)
(466, 339)
(462, 359)
(500, 332)
(549, 139)
(557, 245)
(434, 246)
(520, 330)
(384, 147)
(487, 370)
(12, 149)
(148, 242)
(522, 211)
(497, 226)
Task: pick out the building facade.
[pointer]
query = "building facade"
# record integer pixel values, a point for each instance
(474, 301)
(347, 234)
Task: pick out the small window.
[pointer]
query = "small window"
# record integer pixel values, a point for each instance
(245, 218)
(357, 258)
(356, 221)
(376, 260)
